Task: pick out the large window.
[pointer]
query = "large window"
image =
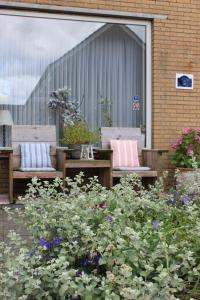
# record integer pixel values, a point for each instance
(103, 63)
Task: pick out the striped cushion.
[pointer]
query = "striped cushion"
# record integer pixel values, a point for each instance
(125, 153)
(35, 155)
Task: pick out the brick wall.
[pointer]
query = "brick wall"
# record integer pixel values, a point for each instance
(176, 49)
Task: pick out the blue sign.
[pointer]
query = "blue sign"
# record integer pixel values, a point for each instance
(136, 103)
(136, 98)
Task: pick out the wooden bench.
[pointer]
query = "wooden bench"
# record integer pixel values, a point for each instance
(34, 134)
(147, 157)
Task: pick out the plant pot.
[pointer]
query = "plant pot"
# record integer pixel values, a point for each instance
(76, 153)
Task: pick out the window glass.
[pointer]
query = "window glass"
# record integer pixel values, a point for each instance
(103, 64)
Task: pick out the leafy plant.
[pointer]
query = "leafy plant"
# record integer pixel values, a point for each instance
(67, 109)
(88, 242)
(78, 133)
(106, 111)
(187, 149)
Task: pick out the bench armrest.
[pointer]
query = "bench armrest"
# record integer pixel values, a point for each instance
(60, 157)
(151, 157)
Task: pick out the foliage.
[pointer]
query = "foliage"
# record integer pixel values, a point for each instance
(187, 149)
(78, 133)
(75, 129)
(106, 111)
(93, 243)
(67, 109)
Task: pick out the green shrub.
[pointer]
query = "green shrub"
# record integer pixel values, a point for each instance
(93, 243)
(78, 133)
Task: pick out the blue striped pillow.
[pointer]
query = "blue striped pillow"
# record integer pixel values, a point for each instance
(35, 155)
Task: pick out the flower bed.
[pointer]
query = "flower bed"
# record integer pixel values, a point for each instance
(93, 243)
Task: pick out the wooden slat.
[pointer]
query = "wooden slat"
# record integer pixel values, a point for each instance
(122, 133)
(30, 133)
(5, 150)
(77, 163)
(42, 175)
(139, 173)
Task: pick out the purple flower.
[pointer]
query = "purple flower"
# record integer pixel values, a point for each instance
(96, 260)
(174, 146)
(57, 240)
(85, 263)
(171, 202)
(176, 196)
(89, 264)
(185, 201)
(31, 254)
(186, 130)
(198, 139)
(78, 273)
(156, 224)
(192, 195)
(188, 199)
(45, 244)
(177, 144)
(109, 219)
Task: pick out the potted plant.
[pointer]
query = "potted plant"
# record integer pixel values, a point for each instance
(186, 155)
(76, 134)
(75, 131)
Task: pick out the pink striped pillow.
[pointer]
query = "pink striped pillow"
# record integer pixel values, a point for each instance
(125, 153)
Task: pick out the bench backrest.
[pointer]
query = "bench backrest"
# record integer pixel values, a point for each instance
(32, 134)
(122, 133)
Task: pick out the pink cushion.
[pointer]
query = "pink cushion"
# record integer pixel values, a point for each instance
(125, 153)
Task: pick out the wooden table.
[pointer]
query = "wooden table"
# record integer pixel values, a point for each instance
(6, 175)
(101, 166)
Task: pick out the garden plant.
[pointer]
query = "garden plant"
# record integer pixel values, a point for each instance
(187, 149)
(60, 101)
(78, 133)
(87, 243)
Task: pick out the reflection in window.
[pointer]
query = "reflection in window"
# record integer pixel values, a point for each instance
(94, 60)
